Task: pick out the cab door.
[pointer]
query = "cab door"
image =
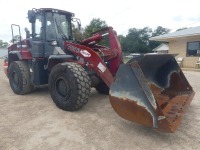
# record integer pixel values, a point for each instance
(38, 49)
(39, 73)
(50, 34)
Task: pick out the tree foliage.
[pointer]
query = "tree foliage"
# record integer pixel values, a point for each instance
(158, 31)
(181, 29)
(3, 44)
(78, 35)
(137, 40)
(94, 25)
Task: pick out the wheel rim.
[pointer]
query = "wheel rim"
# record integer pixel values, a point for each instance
(62, 88)
(15, 79)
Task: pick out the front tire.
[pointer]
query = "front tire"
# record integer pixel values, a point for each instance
(69, 86)
(19, 77)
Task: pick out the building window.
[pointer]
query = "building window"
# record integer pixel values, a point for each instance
(193, 48)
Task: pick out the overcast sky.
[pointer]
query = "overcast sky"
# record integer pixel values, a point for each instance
(120, 14)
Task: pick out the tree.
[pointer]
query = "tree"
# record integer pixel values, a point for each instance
(77, 34)
(122, 40)
(3, 44)
(137, 40)
(158, 31)
(181, 29)
(94, 25)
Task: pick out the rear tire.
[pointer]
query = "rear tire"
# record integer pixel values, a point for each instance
(69, 86)
(102, 88)
(19, 77)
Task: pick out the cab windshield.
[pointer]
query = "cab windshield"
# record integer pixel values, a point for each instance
(58, 26)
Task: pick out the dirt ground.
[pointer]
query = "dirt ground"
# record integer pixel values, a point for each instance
(34, 122)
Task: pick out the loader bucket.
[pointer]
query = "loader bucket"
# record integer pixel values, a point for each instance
(151, 90)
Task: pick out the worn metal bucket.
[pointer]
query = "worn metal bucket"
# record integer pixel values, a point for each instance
(151, 90)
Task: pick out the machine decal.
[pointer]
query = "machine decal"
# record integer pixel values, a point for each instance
(85, 53)
(73, 48)
(101, 67)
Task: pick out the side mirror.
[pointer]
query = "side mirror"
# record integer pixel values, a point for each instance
(27, 32)
(31, 16)
(78, 22)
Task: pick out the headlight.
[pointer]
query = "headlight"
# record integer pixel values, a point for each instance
(54, 43)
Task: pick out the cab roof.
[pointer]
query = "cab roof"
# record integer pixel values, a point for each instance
(54, 10)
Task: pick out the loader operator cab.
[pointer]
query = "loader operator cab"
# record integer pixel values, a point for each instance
(50, 28)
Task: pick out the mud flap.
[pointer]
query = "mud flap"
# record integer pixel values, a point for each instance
(151, 90)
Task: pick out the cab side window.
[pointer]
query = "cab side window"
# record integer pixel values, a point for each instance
(38, 28)
(50, 27)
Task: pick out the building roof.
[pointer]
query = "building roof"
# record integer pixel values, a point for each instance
(161, 47)
(194, 31)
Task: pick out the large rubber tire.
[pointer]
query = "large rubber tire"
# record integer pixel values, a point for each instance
(69, 85)
(102, 88)
(19, 77)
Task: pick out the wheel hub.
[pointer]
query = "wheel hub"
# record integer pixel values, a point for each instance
(62, 88)
(15, 78)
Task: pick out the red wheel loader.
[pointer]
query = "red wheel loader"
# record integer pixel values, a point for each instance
(149, 89)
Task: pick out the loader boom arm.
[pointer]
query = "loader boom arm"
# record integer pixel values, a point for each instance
(95, 62)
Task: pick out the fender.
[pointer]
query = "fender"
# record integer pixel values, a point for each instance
(19, 55)
(14, 55)
(93, 59)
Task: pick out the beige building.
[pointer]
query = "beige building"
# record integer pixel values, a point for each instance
(162, 48)
(185, 43)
